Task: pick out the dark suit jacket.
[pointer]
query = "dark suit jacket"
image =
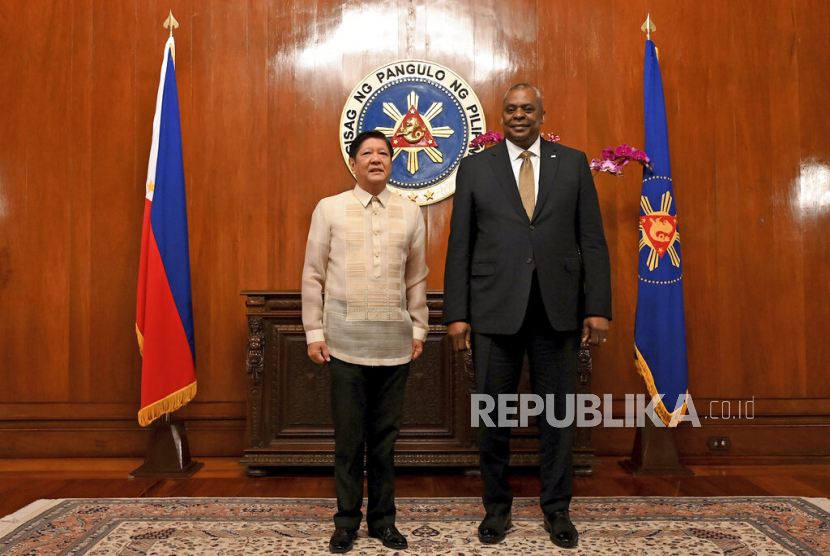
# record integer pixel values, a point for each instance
(493, 244)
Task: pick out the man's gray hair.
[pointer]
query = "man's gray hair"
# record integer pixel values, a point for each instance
(525, 86)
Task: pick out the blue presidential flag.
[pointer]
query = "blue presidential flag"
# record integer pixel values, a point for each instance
(660, 330)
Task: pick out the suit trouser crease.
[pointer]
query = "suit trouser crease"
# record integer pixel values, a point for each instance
(367, 410)
(552, 357)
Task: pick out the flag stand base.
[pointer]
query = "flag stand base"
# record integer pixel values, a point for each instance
(168, 454)
(654, 453)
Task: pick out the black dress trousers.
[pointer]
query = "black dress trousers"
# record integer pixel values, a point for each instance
(553, 358)
(367, 408)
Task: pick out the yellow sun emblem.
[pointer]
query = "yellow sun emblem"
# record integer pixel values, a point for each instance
(658, 231)
(413, 133)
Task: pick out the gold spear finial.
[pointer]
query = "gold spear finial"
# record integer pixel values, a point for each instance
(648, 27)
(171, 23)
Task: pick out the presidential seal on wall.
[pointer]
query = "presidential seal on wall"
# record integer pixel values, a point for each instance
(430, 115)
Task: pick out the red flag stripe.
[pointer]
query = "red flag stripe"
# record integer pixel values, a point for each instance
(168, 380)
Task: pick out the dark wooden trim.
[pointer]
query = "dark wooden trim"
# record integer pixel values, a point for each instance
(112, 438)
(760, 440)
(771, 438)
(108, 411)
(816, 410)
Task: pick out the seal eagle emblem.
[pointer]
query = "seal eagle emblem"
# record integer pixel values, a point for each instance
(429, 114)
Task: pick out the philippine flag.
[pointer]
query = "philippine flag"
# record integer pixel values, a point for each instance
(164, 316)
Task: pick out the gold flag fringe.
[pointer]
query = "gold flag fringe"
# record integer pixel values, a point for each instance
(171, 403)
(670, 419)
(140, 340)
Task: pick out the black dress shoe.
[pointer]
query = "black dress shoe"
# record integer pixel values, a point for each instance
(562, 532)
(342, 540)
(390, 537)
(492, 529)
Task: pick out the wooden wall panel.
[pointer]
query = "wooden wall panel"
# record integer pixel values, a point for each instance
(220, 94)
(782, 229)
(783, 163)
(12, 201)
(696, 190)
(727, 200)
(751, 210)
(261, 88)
(79, 237)
(118, 176)
(811, 191)
(47, 217)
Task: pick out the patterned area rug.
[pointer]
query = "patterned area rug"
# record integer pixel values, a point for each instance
(244, 526)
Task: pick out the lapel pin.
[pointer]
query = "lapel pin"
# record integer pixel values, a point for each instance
(553, 156)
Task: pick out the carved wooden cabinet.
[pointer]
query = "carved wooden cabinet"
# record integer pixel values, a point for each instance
(289, 415)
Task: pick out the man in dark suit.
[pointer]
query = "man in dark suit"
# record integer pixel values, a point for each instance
(527, 261)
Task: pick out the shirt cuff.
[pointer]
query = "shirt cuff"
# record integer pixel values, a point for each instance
(312, 336)
(419, 333)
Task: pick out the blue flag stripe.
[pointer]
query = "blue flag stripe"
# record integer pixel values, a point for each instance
(169, 212)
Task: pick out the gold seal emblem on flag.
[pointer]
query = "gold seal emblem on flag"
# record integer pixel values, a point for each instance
(658, 231)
